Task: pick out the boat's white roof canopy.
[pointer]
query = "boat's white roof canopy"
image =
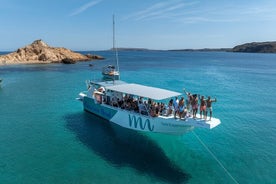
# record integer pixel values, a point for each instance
(143, 91)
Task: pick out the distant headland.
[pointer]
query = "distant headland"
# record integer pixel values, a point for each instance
(254, 47)
(40, 53)
(205, 50)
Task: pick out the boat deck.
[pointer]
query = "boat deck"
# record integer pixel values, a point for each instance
(197, 122)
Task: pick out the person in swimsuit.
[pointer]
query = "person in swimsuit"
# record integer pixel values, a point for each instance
(194, 104)
(202, 107)
(189, 100)
(170, 107)
(209, 106)
(181, 108)
(175, 106)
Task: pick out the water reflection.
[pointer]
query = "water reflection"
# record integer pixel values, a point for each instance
(123, 147)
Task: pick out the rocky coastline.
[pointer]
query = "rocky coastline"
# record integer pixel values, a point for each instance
(256, 47)
(41, 53)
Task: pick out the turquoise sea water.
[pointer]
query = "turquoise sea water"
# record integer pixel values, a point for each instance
(46, 137)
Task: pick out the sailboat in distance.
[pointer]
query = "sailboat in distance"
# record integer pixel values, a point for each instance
(110, 72)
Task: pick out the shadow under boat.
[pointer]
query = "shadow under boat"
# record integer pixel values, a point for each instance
(124, 148)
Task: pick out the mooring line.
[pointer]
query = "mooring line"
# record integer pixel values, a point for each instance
(212, 154)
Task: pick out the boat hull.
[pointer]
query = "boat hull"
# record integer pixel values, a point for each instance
(136, 121)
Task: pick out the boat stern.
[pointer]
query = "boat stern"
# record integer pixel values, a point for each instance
(202, 123)
(213, 123)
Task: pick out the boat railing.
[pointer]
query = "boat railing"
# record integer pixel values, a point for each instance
(146, 113)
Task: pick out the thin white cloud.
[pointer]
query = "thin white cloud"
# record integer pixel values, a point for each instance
(159, 10)
(264, 13)
(148, 10)
(196, 12)
(195, 19)
(85, 7)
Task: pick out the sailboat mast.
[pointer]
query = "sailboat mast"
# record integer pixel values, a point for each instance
(114, 44)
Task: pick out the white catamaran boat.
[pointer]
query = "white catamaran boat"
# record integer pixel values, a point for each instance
(113, 101)
(131, 106)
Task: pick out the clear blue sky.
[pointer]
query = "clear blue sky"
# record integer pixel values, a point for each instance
(153, 24)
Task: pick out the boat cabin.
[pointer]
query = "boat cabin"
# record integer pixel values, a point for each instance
(133, 97)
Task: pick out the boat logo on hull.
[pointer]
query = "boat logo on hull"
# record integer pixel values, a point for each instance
(138, 122)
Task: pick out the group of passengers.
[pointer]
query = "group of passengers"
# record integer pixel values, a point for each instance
(192, 102)
(144, 107)
(179, 108)
(131, 103)
(189, 108)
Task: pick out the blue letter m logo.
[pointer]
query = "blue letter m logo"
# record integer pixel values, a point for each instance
(139, 122)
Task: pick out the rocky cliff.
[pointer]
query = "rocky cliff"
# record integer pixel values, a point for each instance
(40, 52)
(256, 47)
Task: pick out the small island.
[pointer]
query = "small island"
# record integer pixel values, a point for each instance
(40, 53)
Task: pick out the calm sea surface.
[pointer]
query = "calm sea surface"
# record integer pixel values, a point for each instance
(46, 137)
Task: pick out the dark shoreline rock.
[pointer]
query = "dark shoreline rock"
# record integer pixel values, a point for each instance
(94, 57)
(68, 61)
